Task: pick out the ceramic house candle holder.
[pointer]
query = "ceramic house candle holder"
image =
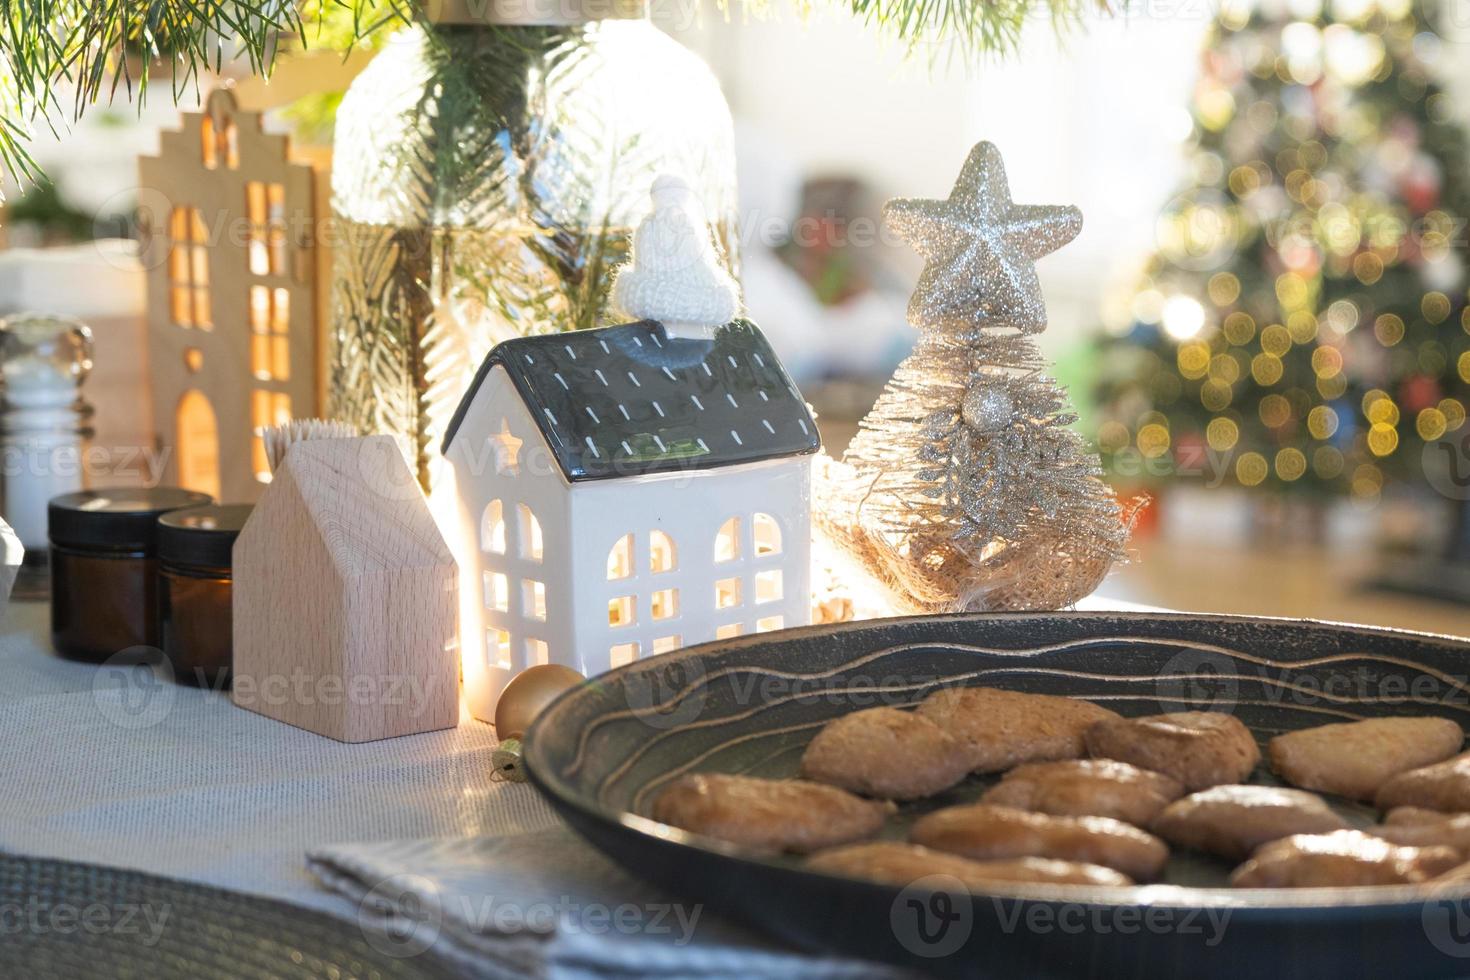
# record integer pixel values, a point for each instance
(626, 493)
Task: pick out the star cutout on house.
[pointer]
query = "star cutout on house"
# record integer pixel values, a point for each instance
(980, 249)
(507, 449)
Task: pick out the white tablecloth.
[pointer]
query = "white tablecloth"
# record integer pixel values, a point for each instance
(178, 781)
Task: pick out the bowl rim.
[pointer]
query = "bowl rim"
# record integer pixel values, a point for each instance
(1274, 901)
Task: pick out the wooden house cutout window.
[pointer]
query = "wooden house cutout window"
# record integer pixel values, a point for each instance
(219, 142)
(265, 206)
(270, 333)
(267, 408)
(198, 443)
(188, 269)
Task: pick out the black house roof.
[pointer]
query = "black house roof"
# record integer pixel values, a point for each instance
(627, 400)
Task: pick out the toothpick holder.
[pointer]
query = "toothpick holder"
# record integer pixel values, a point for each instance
(346, 597)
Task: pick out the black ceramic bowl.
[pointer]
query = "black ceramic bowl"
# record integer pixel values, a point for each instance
(602, 752)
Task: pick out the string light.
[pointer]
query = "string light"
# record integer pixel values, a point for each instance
(1239, 328)
(1322, 422)
(1266, 369)
(1327, 362)
(1368, 268)
(1342, 218)
(1275, 411)
(1453, 412)
(1430, 424)
(1327, 462)
(1380, 409)
(1250, 469)
(1215, 394)
(1276, 340)
(1332, 388)
(1301, 326)
(1383, 439)
(1112, 436)
(1183, 317)
(1435, 307)
(1389, 329)
(1291, 290)
(1342, 316)
(1367, 483)
(1225, 367)
(1153, 440)
(1222, 434)
(1291, 464)
(1223, 288)
(1193, 360)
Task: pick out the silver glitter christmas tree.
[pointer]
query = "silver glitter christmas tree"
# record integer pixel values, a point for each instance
(966, 488)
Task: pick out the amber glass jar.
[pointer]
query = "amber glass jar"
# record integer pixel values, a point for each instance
(104, 567)
(194, 590)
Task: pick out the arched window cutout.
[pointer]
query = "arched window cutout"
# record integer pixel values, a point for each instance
(498, 648)
(232, 145)
(531, 544)
(209, 140)
(727, 542)
(661, 553)
(767, 535)
(620, 559)
(219, 142)
(492, 529)
(198, 444)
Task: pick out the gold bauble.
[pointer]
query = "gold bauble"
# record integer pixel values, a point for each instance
(528, 694)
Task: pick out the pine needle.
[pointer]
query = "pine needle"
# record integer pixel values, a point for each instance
(101, 47)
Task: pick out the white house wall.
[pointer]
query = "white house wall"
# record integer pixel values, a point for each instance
(690, 508)
(537, 484)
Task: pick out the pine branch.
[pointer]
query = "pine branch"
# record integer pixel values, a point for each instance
(103, 47)
(106, 47)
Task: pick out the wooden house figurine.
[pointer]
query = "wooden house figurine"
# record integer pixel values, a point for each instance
(345, 599)
(234, 305)
(625, 492)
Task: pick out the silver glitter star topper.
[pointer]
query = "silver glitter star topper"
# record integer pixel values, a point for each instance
(980, 249)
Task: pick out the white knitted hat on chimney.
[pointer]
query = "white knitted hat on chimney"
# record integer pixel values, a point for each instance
(675, 275)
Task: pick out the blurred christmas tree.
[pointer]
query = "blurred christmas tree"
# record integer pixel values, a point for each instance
(1303, 325)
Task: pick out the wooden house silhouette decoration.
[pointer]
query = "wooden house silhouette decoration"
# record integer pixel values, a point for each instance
(234, 296)
(623, 492)
(346, 597)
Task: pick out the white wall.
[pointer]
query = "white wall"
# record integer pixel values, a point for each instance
(1094, 120)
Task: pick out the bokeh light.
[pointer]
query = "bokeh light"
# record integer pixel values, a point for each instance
(1251, 469)
(1183, 317)
(1291, 464)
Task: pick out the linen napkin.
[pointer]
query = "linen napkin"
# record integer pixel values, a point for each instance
(547, 904)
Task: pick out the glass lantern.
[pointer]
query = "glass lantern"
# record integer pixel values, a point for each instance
(486, 178)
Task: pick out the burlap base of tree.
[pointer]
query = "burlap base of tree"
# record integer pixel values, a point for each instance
(926, 571)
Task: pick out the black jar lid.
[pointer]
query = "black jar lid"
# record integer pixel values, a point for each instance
(202, 536)
(116, 519)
